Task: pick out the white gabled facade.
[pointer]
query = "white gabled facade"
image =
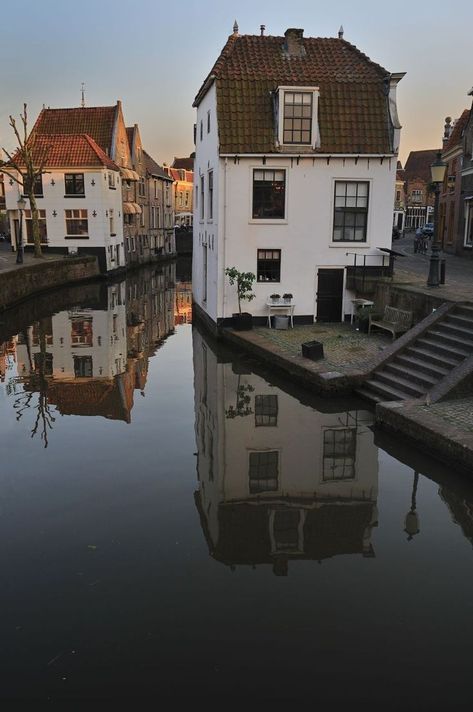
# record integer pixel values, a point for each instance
(230, 235)
(100, 206)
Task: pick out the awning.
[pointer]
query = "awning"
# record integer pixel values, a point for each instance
(131, 209)
(128, 174)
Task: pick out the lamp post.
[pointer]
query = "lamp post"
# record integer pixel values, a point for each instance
(437, 170)
(21, 204)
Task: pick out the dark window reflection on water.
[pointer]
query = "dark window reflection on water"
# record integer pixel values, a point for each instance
(178, 522)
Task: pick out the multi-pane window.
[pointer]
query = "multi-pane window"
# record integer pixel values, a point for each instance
(82, 366)
(339, 454)
(77, 223)
(266, 410)
(269, 194)
(111, 180)
(263, 471)
(211, 195)
(37, 185)
(74, 184)
(468, 223)
(111, 217)
(351, 211)
(142, 188)
(201, 130)
(208, 121)
(43, 234)
(416, 196)
(297, 120)
(269, 266)
(202, 190)
(82, 333)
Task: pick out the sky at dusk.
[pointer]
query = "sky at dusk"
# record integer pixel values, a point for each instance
(154, 55)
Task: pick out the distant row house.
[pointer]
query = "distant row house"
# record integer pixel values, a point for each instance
(456, 197)
(100, 192)
(182, 173)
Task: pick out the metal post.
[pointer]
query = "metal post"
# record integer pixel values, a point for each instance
(433, 278)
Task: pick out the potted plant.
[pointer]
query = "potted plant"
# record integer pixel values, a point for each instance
(242, 321)
(275, 298)
(362, 318)
(287, 297)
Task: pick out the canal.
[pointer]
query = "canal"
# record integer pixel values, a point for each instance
(178, 523)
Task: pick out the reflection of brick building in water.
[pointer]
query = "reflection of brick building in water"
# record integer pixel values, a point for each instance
(279, 480)
(183, 310)
(7, 357)
(90, 361)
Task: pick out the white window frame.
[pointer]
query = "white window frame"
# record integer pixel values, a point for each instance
(269, 221)
(468, 220)
(315, 133)
(210, 195)
(349, 243)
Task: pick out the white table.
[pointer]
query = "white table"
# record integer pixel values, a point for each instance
(359, 303)
(280, 306)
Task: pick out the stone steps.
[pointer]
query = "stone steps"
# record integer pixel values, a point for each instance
(423, 364)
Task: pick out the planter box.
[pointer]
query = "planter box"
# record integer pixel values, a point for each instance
(313, 350)
(281, 321)
(242, 322)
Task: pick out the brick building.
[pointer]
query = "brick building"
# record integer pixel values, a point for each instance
(465, 221)
(419, 201)
(450, 231)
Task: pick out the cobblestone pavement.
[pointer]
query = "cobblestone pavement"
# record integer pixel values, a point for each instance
(412, 269)
(8, 258)
(456, 412)
(344, 348)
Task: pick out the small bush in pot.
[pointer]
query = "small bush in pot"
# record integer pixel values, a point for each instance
(275, 297)
(242, 321)
(287, 297)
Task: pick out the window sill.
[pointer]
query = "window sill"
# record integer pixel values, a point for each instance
(112, 187)
(349, 244)
(76, 237)
(267, 221)
(113, 234)
(75, 195)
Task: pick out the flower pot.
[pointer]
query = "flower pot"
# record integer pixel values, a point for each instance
(242, 322)
(313, 350)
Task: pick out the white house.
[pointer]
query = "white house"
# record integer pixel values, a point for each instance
(269, 491)
(79, 200)
(296, 154)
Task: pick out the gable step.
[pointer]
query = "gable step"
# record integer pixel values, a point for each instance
(456, 330)
(401, 370)
(451, 340)
(422, 365)
(402, 384)
(442, 361)
(430, 342)
(386, 392)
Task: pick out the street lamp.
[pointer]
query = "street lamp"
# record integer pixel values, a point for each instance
(437, 171)
(21, 204)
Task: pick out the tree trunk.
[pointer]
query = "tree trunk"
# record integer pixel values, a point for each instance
(35, 225)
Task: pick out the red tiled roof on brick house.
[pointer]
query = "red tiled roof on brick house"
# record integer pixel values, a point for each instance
(456, 136)
(69, 150)
(98, 122)
(353, 110)
(185, 163)
(418, 165)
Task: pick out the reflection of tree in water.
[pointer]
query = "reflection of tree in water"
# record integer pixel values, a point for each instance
(242, 406)
(37, 384)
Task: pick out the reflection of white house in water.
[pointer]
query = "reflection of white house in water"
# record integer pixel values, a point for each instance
(278, 479)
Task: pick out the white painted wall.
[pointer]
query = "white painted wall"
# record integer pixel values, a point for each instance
(98, 197)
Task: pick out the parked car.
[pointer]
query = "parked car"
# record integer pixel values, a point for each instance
(428, 229)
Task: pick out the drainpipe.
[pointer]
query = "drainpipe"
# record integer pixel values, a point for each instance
(224, 232)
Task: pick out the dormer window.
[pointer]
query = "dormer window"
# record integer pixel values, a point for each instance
(297, 116)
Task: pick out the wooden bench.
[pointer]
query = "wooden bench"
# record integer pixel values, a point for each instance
(397, 321)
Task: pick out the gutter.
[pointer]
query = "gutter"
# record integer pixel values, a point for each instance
(309, 155)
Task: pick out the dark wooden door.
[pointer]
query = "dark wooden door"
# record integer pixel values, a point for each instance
(329, 294)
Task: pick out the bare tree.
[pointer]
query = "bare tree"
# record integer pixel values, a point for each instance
(24, 166)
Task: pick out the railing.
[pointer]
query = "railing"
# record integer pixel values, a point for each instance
(360, 272)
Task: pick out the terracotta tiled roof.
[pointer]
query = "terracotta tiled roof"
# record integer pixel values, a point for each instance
(67, 151)
(418, 164)
(154, 168)
(186, 163)
(95, 121)
(91, 397)
(353, 107)
(457, 133)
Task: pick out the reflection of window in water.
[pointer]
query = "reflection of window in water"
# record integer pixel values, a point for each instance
(266, 410)
(263, 472)
(43, 328)
(286, 530)
(82, 366)
(339, 454)
(81, 332)
(43, 363)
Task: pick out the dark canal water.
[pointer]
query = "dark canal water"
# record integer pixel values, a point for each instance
(176, 523)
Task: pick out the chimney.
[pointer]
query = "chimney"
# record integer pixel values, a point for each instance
(262, 29)
(340, 33)
(293, 42)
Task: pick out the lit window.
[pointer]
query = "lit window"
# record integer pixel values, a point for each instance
(77, 224)
(351, 211)
(269, 194)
